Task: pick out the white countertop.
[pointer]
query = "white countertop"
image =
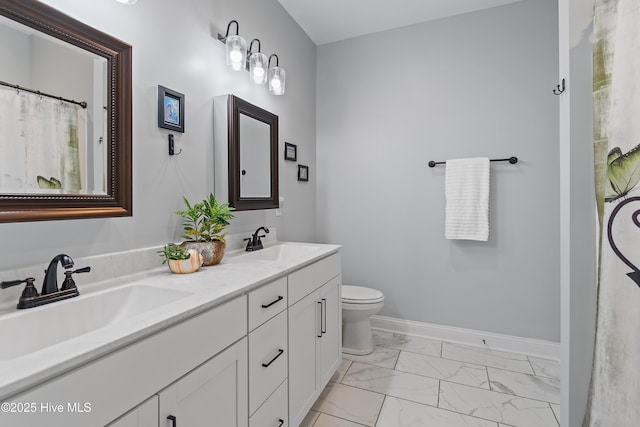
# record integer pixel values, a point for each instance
(211, 286)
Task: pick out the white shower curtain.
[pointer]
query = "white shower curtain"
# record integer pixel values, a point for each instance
(41, 137)
(615, 382)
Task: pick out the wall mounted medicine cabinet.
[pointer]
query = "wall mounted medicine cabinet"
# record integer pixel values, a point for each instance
(246, 154)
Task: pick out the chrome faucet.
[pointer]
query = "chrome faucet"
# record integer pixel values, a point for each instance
(254, 243)
(50, 292)
(50, 284)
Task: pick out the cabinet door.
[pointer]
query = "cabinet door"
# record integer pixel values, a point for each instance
(304, 329)
(214, 394)
(144, 415)
(331, 341)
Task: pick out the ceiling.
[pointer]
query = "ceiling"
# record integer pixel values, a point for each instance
(327, 21)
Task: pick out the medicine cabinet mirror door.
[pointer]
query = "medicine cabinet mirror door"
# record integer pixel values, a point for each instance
(65, 117)
(253, 158)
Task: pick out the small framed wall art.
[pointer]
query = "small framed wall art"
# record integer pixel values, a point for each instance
(303, 173)
(290, 151)
(170, 109)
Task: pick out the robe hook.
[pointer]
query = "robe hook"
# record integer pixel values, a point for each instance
(559, 89)
(172, 151)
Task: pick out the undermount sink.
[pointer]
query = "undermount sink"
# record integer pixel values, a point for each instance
(280, 252)
(30, 330)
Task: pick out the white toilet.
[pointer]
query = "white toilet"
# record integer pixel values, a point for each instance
(358, 305)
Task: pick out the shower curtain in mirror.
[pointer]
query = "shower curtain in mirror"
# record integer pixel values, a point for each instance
(615, 384)
(42, 144)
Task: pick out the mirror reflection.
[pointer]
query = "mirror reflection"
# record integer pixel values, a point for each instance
(53, 115)
(255, 149)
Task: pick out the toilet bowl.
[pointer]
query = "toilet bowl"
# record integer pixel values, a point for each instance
(358, 305)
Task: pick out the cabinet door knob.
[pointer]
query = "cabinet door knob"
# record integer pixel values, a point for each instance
(174, 421)
(280, 351)
(280, 298)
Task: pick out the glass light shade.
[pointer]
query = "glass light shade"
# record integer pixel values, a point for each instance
(236, 52)
(127, 1)
(276, 80)
(258, 68)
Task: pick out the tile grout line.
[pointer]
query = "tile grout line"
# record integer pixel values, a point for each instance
(532, 368)
(501, 392)
(417, 375)
(554, 414)
(455, 412)
(380, 410)
(486, 368)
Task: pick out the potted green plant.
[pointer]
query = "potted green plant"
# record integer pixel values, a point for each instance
(203, 224)
(180, 259)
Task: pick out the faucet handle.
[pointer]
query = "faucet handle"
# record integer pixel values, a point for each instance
(82, 270)
(29, 291)
(69, 283)
(10, 283)
(249, 241)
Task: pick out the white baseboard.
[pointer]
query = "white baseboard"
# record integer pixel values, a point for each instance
(489, 340)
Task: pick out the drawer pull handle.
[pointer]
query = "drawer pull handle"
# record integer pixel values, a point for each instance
(174, 420)
(281, 422)
(324, 316)
(280, 351)
(280, 298)
(320, 322)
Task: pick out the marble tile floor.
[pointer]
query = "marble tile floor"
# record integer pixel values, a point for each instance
(413, 382)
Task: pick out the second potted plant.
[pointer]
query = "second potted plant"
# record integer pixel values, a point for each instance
(181, 260)
(203, 225)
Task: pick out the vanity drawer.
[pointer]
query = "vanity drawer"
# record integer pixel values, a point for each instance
(267, 301)
(310, 278)
(274, 412)
(267, 359)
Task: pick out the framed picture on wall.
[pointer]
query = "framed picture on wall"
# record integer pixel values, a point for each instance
(290, 151)
(303, 173)
(170, 109)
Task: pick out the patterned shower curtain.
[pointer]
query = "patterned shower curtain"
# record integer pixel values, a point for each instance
(615, 383)
(42, 144)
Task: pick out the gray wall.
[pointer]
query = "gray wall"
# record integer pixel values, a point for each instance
(15, 71)
(579, 304)
(473, 85)
(174, 45)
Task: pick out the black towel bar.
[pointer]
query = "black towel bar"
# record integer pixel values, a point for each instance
(512, 160)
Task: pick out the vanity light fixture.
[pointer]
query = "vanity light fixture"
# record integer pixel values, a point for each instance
(127, 1)
(258, 64)
(276, 77)
(236, 47)
(260, 69)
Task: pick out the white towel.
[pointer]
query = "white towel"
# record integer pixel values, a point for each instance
(467, 199)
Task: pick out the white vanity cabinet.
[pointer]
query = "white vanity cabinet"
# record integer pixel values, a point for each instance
(258, 359)
(315, 333)
(120, 381)
(213, 394)
(268, 354)
(144, 415)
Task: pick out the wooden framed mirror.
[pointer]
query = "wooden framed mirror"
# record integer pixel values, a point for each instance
(68, 154)
(252, 156)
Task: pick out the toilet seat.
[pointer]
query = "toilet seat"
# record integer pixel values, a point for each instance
(361, 295)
